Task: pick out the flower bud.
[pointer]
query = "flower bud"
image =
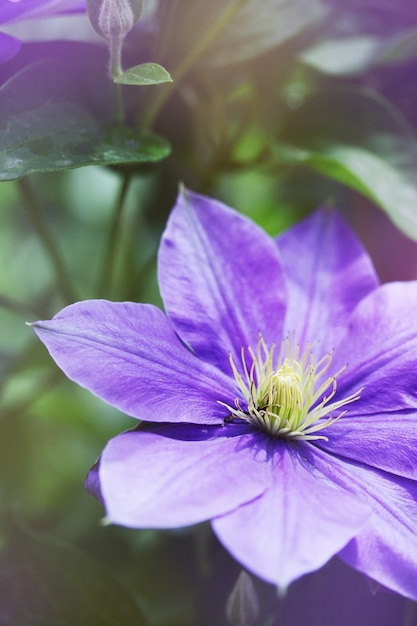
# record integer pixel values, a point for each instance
(242, 607)
(114, 18)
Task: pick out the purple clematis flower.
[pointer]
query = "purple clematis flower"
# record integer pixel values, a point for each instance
(15, 10)
(279, 395)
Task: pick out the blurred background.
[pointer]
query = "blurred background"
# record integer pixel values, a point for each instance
(276, 108)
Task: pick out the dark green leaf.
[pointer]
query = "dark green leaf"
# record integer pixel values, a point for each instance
(46, 584)
(356, 138)
(144, 74)
(49, 121)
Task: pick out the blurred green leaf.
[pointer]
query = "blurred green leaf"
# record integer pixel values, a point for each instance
(343, 56)
(144, 74)
(47, 584)
(356, 138)
(368, 174)
(48, 123)
(357, 54)
(256, 28)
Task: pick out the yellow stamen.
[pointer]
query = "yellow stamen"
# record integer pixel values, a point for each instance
(287, 396)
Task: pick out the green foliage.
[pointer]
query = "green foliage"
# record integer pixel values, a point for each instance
(50, 584)
(358, 139)
(48, 125)
(254, 30)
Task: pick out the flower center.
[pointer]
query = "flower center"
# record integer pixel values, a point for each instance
(287, 396)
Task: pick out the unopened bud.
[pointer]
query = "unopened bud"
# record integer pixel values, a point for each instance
(114, 18)
(242, 608)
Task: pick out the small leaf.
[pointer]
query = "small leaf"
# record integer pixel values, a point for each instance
(144, 74)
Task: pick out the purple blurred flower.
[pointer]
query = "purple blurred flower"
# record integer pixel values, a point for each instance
(280, 391)
(16, 10)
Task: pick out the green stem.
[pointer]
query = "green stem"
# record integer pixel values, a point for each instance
(170, 10)
(35, 214)
(163, 95)
(114, 238)
(115, 50)
(207, 174)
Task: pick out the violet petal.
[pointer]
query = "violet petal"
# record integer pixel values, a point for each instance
(180, 475)
(328, 272)
(9, 47)
(220, 279)
(34, 8)
(296, 526)
(92, 483)
(380, 348)
(387, 441)
(129, 355)
(386, 548)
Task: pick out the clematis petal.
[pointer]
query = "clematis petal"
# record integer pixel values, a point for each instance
(380, 348)
(220, 279)
(180, 475)
(328, 272)
(387, 441)
(295, 526)
(92, 483)
(129, 355)
(17, 10)
(386, 549)
(9, 47)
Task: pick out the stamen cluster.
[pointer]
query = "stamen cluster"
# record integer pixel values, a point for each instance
(287, 396)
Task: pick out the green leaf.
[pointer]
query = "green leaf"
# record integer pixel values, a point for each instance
(49, 120)
(356, 138)
(371, 176)
(354, 55)
(48, 584)
(342, 57)
(144, 74)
